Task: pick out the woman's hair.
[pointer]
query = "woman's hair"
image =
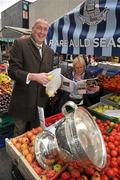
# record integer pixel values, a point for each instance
(79, 59)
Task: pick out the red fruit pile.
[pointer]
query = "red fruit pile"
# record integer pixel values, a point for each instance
(112, 141)
(112, 169)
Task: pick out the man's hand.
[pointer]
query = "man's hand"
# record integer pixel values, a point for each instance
(41, 78)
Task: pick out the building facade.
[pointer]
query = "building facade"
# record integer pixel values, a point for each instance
(50, 9)
(23, 14)
(16, 16)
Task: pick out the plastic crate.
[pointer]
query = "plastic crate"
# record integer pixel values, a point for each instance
(105, 99)
(93, 70)
(52, 119)
(6, 132)
(6, 128)
(112, 72)
(101, 116)
(6, 120)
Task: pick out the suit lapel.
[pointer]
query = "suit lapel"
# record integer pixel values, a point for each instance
(44, 49)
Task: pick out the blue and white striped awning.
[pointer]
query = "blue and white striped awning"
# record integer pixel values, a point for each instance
(92, 28)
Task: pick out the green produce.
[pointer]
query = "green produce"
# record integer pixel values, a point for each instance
(57, 168)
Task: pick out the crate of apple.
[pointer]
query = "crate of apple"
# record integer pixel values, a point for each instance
(25, 145)
(111, 135)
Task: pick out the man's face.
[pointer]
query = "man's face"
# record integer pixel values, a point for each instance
(39, 31)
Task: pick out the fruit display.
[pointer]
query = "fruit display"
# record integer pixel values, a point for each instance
(102, 108)
(74, 170)
(115, 98)
(110, 83)
(5, 92)
(102, 111)
(5, 83)
(111, 135)
(25, 144)
(111, 99)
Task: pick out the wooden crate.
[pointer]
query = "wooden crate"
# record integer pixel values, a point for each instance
(101, 115)
(25, 168)
(105, 99)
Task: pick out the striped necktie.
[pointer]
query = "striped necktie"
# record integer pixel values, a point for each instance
(40, 50)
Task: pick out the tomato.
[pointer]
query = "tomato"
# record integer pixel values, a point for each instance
(115, 169)
(110, 172)
(89, 170)
(111, 138)
(108, 122)
(51, 173)
(115, 178)
(116, 126)
(118, 150)
(118, 160)
(34, 164)
(104, 177)
(65, 175)
(75, 173)
(111, 145)
(117, 138)
(116, 143)
(113, 164)
(38, 170)
(113, 159)
(114, 153)
(98, 121)
(106, 138)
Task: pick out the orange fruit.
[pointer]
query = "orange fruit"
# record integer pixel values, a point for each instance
(29, 134)
(18, 146)
(24, 146)
(33, 137)
(25, 140)
(29, 158)
(14, 141)
(25, 152)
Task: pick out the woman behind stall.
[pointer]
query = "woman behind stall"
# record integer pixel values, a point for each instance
(77, 73)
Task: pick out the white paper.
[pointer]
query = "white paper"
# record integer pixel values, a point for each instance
(54, 84)
(91, 81)
(112, 113)
(81, 87)
(41, 117)
(77, 89)
(67, 84)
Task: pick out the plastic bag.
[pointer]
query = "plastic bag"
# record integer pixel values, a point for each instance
(55, 82)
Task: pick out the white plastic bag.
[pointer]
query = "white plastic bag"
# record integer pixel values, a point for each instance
(54, 84)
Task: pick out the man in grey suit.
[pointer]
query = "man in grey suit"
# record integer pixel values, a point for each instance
(30, 61)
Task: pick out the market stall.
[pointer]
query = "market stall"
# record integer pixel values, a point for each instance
(92, 28)
(85, 30)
